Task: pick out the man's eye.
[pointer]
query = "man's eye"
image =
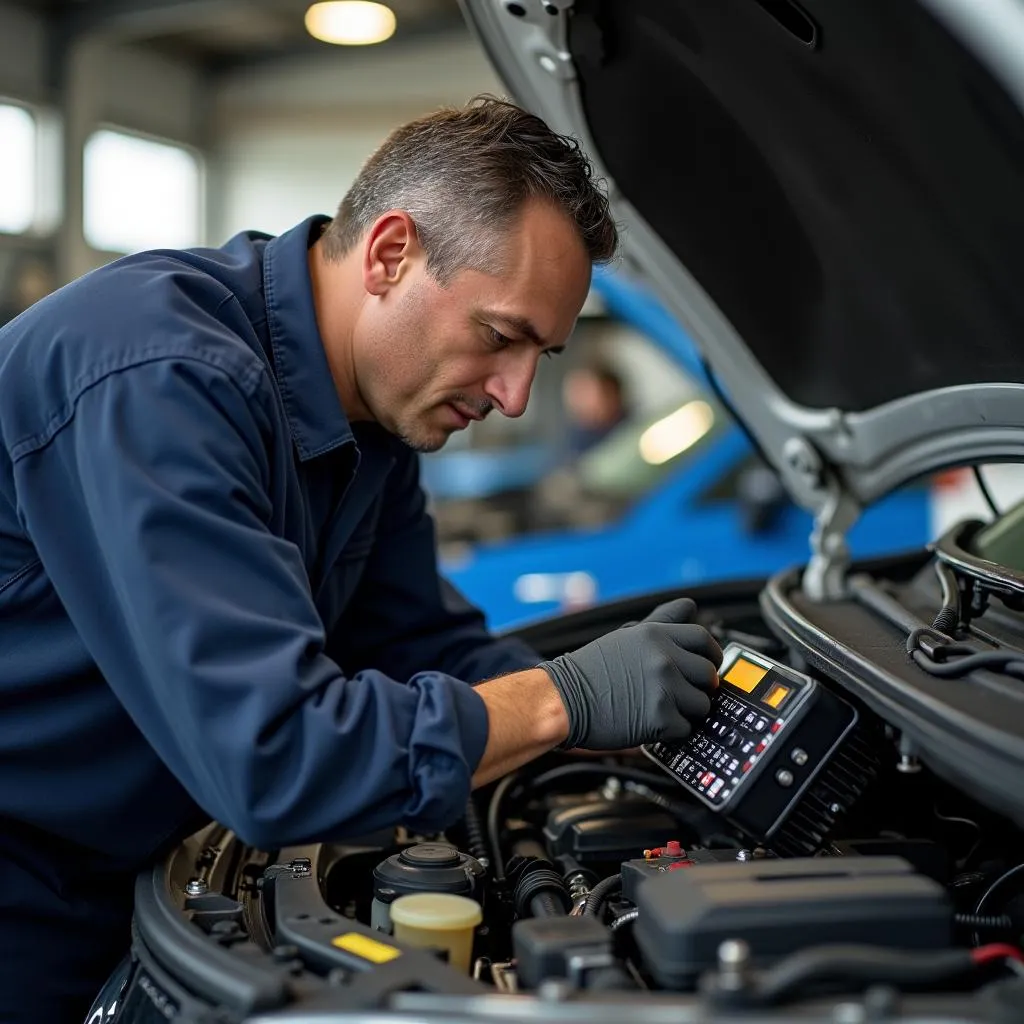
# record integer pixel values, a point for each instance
(498, 340)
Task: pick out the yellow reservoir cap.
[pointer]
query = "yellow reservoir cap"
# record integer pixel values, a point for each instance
(438, 921)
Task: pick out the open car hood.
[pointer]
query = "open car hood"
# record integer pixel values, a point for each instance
(830, 197)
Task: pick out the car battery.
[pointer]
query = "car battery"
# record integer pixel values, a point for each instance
(776, 756)
(672, 857)
(778, 907)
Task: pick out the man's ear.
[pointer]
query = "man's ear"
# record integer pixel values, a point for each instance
(390, 249)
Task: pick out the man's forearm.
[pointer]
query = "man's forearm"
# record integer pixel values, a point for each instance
(526, 718)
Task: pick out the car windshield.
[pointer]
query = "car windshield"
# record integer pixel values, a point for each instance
(637, 456)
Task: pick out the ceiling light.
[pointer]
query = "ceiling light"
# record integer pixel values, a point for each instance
(682, 429)
(350, 22)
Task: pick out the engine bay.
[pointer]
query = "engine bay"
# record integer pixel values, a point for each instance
(800, 853)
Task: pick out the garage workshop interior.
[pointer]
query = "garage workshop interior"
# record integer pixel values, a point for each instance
(795, 395)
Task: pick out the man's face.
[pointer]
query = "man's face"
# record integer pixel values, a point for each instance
(429, 359)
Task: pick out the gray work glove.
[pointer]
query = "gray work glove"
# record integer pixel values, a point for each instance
(643, 682)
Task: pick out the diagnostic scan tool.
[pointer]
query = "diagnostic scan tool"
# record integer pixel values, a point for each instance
(772, 756)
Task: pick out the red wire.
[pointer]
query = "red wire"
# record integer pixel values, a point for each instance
(996, 951)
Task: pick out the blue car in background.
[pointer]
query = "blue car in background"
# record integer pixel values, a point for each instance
(675, 498)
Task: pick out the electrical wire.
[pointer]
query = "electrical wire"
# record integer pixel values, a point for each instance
(1006, 876)
(954, 819)
(874, 965)
(948, 617)
(950, 660)
(623, 919)
(564, 771)
(996, 951)
(553, 775)
(985, 492)
(494, 821)
(600, 893)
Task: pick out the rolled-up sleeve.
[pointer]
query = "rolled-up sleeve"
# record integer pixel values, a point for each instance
(148, 497)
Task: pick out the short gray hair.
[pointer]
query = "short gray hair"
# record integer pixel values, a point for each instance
(463, 175)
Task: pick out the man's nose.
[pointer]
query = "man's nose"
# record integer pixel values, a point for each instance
(509, 389)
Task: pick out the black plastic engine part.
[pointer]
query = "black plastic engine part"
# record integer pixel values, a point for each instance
(780, 756)
(781, 906)
(426, 867)
(605, 831)
(673, 858)
(560, 947)
(927, 857)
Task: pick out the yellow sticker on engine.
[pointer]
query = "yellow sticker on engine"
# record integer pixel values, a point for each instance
(365, 947)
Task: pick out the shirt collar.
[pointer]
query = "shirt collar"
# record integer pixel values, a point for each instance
(317, 420)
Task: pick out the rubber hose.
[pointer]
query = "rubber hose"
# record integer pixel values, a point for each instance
(601, 892)
(544, 904)
(542, 892)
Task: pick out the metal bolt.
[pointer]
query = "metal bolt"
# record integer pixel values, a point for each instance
(743, 855)
(612, 788)
(908, 764)
(577, 883)
(733, 960)
(835, 809)
(849, 1013)
(798, 756)
(784, 777)
(554, 990)
(196, 887)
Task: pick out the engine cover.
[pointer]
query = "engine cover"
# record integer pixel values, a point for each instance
(781, 906)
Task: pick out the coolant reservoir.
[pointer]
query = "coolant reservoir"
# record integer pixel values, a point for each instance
(438, 920)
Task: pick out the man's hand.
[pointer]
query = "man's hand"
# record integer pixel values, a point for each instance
(643, 682)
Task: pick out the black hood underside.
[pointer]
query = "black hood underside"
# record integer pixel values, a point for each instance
(844, 180)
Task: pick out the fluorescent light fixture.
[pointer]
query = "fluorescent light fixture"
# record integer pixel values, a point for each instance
(675, 433)
(350, 22)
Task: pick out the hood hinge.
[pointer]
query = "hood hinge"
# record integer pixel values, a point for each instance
(825, 576)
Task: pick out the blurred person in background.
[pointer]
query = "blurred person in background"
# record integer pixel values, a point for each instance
(593, 396)
(219, 596)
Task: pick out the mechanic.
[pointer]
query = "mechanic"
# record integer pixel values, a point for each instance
(218, 590)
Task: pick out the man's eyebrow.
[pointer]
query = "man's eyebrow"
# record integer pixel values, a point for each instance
(519, 325)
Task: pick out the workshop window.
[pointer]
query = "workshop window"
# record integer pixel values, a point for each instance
(140, 193)
(18, 169)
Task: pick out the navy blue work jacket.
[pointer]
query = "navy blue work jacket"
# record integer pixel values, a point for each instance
(218, 599)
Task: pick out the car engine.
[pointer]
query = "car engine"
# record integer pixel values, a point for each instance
(797, 855)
